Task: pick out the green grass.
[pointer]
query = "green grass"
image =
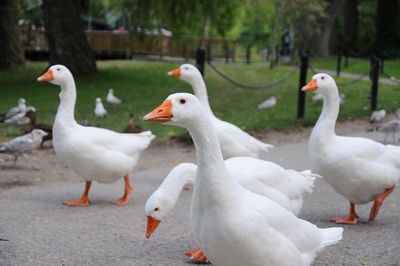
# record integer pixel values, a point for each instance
(144, 85)
(356, 65)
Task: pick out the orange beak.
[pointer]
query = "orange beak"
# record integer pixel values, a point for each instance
(162, 113)
(311, 86)
(175, 72)
(48, 76)
(151, 226)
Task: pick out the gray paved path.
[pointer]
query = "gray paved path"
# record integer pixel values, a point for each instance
(41, 231)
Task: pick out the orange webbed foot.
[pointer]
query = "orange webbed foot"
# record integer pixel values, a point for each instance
(81, 202)
(121, 202)
(347, 220)
(197, 255)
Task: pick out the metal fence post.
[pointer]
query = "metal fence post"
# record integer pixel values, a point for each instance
(248, 54)
(201, 59)
(375, 81)
(302, 81)
(346, 58)
(339, 63)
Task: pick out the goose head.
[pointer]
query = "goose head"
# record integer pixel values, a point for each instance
(98, 101)
(157, 207)
(165, 198)
(179, 109)
(186, 72)
(111, 92)
(57, 75)
(321, 83)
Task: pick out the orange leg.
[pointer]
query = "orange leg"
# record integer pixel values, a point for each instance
(378, 202)
(84, 201)
(197, 255)
(351, 219)
(125, 198)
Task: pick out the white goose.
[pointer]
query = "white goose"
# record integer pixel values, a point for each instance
(360, 169)
(232, 225)
(93, 153)
(286, 187)
(234, 141)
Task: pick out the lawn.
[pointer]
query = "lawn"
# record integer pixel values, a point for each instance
(356, 65)
(144, 85)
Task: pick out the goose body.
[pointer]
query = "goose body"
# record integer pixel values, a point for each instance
(232, 225)
(286, 187)
(234, 141)
(93, 153)
(360, 169)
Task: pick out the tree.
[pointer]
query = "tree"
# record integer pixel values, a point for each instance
(66, 38)
(12, 53)
(182, 17)
(350, 24)
(386, 28)
(322, 41)
(304, 18)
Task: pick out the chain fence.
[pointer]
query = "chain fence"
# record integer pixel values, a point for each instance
(342, 84)
(267, 86)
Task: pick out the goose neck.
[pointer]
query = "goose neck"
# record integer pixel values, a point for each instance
(176, 179)
(325, 126)
(200, 90)
(213, 182)
(66, 109)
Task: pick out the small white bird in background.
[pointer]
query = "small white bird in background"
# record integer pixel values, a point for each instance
(377, 116)
(111, 98)
(318, 98)
(267, 104)
(20, 119)
(99, 110)
(23, 144)
(21, 107)
(392, 126)
(397, 113)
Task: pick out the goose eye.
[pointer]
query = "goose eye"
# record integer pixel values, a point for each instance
(156, 209)
(186, 68)
(58, 69)
(182, 101)
(322, 77)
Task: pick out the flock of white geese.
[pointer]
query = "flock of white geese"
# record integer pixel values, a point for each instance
(244, 209)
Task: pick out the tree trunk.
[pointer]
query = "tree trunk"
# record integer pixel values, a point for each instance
(274, 32)
(385, 27)
(322, 43)
(206, 30)
(11, 50)
(66, 38)
(350, 24)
